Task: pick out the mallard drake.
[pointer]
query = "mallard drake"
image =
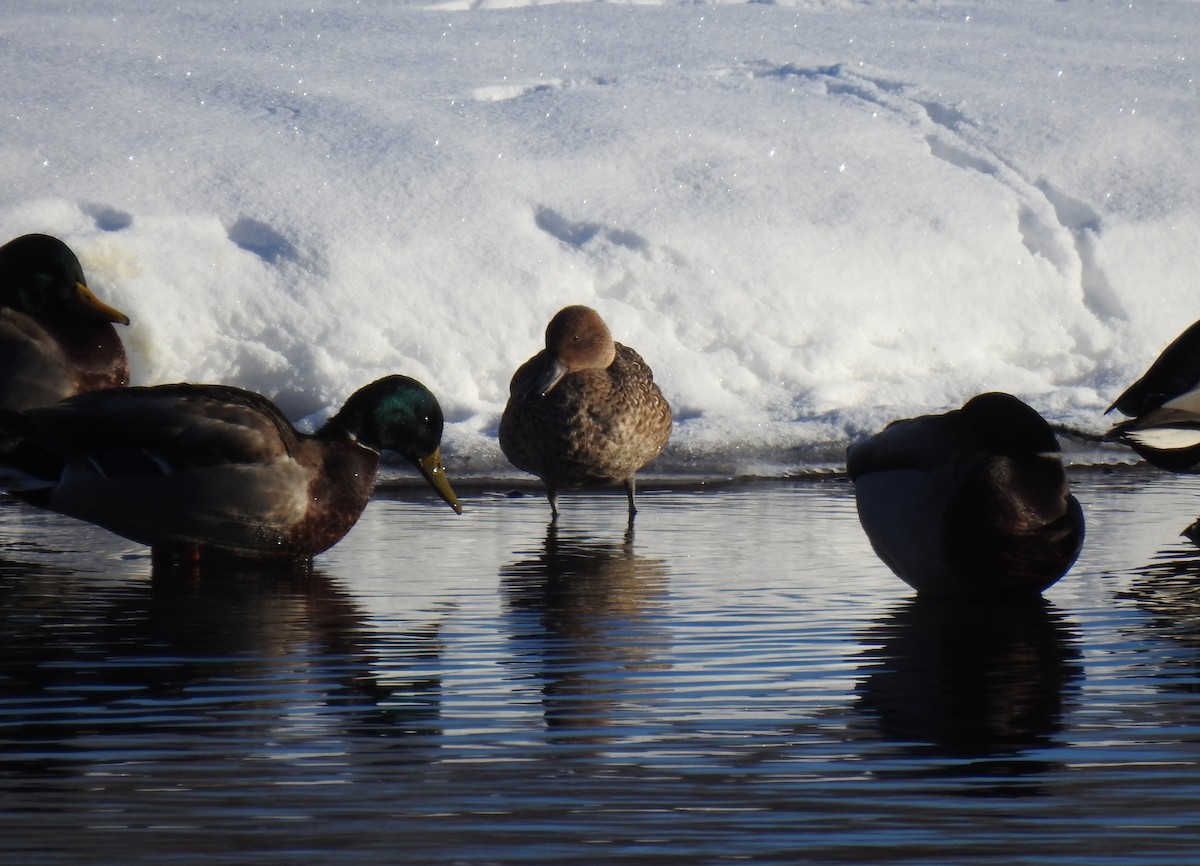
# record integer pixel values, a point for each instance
(56, 337)
(211, 470)
(1164, 405)
(972, 502)
(585, 410)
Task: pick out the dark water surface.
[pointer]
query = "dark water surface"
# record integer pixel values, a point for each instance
(740, 679)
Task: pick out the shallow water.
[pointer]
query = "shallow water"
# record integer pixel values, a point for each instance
(738, 679)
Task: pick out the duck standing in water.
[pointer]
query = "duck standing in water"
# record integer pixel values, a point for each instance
(56, 338)
(972, 502)
(199, 471)
(1164, 405)
(585, 410)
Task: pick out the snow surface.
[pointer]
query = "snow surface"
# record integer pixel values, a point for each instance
(809, 217)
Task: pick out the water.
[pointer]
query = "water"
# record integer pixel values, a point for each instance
(738, 679)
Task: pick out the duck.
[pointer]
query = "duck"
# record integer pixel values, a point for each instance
(56, 337)
(200, 472)
(1164, 408)
(973, 502)
(584, 411)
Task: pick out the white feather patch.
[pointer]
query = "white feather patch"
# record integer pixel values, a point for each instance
(1165, 438)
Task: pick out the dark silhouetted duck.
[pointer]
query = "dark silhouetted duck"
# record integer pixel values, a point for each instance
(972, 502)
(56, 337)
(585, 410)
(197, 471)
(1164, 406)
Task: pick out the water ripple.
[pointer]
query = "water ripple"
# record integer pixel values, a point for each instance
(736, 678)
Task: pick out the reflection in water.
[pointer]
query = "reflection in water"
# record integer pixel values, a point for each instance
(970, 679)
(1168, 589)
(97, 669)
(714, 697)
(584, 613)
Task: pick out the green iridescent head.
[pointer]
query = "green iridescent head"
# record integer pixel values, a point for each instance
(398, 413)
(41, 277)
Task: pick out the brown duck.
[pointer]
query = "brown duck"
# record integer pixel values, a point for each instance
(585, 410)
(56, 337)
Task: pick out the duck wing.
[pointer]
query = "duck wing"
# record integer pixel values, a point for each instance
(128, 432)
(174, 467)
(1167, 429)
(921, 444)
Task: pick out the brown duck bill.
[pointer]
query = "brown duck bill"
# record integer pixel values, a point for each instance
(432, 471)
(88, 304)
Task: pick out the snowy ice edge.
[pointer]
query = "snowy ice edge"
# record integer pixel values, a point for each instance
(476, 458)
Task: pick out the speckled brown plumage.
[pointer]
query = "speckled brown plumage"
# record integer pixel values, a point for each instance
(585, 410)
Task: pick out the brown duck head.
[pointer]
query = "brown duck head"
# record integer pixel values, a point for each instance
(576, 339)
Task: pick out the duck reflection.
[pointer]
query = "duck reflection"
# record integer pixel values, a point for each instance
(585, 616)
(1167, 637)
(1168, 589)
(94, 666)
(969, 679)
